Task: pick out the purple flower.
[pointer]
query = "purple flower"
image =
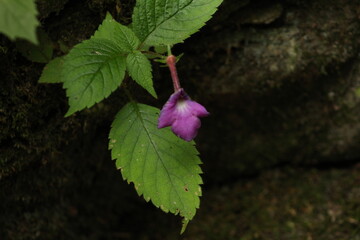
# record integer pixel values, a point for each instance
(182, 114)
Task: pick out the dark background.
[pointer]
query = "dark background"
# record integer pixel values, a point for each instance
(280, 149)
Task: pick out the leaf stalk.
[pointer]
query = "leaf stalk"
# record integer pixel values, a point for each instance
(171, 62)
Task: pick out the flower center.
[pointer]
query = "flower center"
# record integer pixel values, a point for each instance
(181, 105)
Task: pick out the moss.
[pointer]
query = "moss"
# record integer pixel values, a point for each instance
(280, 91)
(30, 114)
(282, 204)
(32, 122)
(48, 162)
(46, 7)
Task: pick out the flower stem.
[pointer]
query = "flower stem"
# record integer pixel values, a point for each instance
(171, 61)
(169, 50)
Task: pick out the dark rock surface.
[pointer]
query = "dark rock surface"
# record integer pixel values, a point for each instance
(281, 80)
(281, 88)
(283, 204)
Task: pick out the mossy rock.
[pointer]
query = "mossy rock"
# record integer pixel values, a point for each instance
(280, 82)
(280, 87)
(282, 204)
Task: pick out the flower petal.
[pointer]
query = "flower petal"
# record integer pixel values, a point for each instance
(182, 114)
(198, 109)
(186, 128)
(168, 112)
(166, 117)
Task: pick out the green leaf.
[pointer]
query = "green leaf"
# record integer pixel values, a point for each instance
(139, 68)
(164, 168)
(161, 49)
(185, 222)
(41, 53)
(168, 22)
(52, 71)
(123, 36)
(18, 19)
(92, 70)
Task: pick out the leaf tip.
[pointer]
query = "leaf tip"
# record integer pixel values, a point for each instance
(153, 93)
(69, 112)
(109, 16)
(185, 222)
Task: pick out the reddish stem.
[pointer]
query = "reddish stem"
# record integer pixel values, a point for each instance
(171, 62)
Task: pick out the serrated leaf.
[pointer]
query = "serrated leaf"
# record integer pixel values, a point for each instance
(41, 53)
(91, 71)
(18, 19)
(168, 22)
(185, 222)
(164, 168)
(123, 36)
(161, 49)
(139, 68)
(52, 71)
